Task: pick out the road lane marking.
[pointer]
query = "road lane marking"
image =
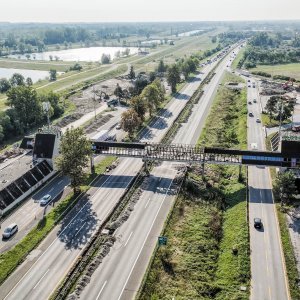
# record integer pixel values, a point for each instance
(128, 239)
(147, 202)
(61, 181)
(79, 230)
(101, 290)
(280, 242)
(145, 241)
(51, 190)
(57, 238)
(41, 279)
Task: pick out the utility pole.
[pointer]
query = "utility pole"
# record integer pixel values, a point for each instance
(46, 109)
(94, 100)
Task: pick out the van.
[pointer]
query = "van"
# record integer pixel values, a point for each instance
(10, 231)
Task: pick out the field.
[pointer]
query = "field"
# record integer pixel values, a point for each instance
(291, 70)
(206, 257)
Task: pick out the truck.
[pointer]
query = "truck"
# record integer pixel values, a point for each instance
(103, 135)
(245, 73)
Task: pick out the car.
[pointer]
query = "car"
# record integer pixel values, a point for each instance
(257, 223)
(251, 114)
(257, 120)
(45, 200)
(249, 102)
(249, 85)
(254, 146)
(118, 126)
(254, 100)
(9, 231)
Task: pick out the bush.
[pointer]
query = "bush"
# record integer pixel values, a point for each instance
(282, 77)
(261, 73)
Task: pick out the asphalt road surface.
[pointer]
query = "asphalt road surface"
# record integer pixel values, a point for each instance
(30, 212)
(267, 261)
(39, 275)
(122, 270)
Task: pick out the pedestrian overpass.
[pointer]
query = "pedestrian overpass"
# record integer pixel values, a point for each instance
(197, 154)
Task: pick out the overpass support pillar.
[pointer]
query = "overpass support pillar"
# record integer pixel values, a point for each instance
(146, 167)
(203, 166)
(92, 164)
(240, 179)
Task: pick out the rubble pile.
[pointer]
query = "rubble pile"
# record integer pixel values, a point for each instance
(13, 152)
(273, 88)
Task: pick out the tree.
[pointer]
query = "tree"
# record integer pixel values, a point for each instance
(173, 77)
(271, 107)
(56, 109)
(285, 188)
(76, 67)
(130, 121)
(17, 80)
(118, 92)
(52, 75)
(75, 150)
(25, 102)
(153, 95)
(105, 59)
(29, 81)
(161, 67)
(131, 74)
(4, 85)
(139, 105)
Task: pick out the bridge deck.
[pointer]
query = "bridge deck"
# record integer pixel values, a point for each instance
(195, 154)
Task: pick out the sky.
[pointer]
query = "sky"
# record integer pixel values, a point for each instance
(147, 11)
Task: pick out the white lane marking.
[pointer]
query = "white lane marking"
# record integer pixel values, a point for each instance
(147, 202)
(145, 241)
(57, 237)
(128, 239)
(51, 190)
(101, 290)
(41, 279)
(79, 230)
(61, 181)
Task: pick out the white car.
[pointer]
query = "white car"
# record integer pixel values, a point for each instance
(45, 200)
(10, 231)
(118, 126)
(254, 146)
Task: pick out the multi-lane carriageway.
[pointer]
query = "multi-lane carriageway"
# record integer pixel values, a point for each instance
(194, 154)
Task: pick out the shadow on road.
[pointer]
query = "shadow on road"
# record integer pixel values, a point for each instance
(181, 96)
(260, 195)
(113, 181)
(80, 230)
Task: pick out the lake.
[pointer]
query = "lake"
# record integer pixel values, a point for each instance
(33, 74)
(79, 54)
(189, 33)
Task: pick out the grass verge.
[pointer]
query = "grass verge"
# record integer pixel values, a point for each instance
(206, 258)
(290, 261)
(266, 121)
(11, 259)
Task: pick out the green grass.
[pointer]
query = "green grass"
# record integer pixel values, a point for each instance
(198, 261)
(288, 250)
(36, 65)
(238, 58)
(266, 121)
(11, 259)
(291, 70)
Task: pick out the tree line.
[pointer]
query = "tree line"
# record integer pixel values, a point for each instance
(25, 111)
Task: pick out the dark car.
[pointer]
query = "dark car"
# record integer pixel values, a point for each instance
(257, 223)
(251, 114)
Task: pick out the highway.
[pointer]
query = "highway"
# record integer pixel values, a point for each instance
(38, 276)
(269, 280)
(30, 212)
(122, 270)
